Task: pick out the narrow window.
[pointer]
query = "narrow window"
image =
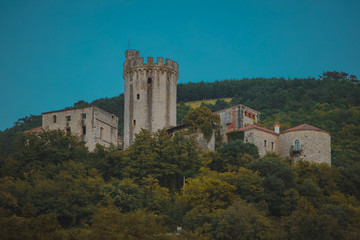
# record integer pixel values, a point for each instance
(272, 146)
(83, 130)
(134, 122)
(101, 133)
(264, 143)
(83, 115)
(138, 96)
(68, 118)
(149, 80)
(54, 119)
(297, 145)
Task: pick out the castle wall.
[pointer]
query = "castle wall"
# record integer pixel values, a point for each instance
(264, 141)
(315, 145)
(236, 117)
(92, 124)
(150, 94)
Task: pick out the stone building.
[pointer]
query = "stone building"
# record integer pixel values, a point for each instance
(92, 124)
(236, 117)
(150, 94)
(302, 142)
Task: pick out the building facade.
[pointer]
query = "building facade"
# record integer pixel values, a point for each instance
(304, 142)
(236, 117)
(150, 94)
(92, 124)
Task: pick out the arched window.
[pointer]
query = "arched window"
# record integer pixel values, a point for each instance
(297, 145)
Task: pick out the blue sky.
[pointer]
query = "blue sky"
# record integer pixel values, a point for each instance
(54, 53)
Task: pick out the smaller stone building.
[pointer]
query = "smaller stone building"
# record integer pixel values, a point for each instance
(236, 117)
(91, 123)
(302, 142)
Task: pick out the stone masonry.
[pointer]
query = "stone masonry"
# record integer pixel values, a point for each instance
(92, 124)
(304, 142)
(150, 94)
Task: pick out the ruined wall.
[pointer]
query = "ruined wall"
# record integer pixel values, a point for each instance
(150, 94)
(236, 117)
(92, 124)
(315, 145)
(265, 142)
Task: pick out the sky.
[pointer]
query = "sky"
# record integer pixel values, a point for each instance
(55, 53)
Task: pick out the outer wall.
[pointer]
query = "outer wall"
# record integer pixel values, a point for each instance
(315, 145)
(258, 138)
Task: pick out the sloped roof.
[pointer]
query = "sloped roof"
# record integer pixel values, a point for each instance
(304, 127)
(37, 129)
(252, 126)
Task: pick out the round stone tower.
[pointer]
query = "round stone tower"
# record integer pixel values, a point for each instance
(150, 94)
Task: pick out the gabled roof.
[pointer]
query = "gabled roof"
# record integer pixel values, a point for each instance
(304, 127)
(37, 129)
(252, 126)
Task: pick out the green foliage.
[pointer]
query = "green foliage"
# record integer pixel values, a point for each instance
(204, 120)
(52, 188)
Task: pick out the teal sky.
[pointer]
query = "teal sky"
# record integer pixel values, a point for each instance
(56, 52)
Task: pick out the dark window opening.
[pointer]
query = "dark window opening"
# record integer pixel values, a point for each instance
(54, 119)
(83, 115)
(138, 96)
(149, 80)
(272, 145)
(297, 145)
(264, 143)
(134, 122)
(83, 130)
(101, 133)
(68, 130)
(68, 118)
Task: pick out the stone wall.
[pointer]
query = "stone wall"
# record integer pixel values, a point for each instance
(265, 142)
(150, 94)
(234, 118)
(315, 145)
(92, 124)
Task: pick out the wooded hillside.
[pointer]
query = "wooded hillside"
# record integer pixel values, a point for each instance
(51, 187)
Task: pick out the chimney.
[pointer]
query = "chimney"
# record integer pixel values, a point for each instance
(277, 127)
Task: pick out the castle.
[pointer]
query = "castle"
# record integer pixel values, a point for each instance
(91, 124)
(150, 94)
(150, 103)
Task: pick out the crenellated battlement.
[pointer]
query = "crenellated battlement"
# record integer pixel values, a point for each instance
(134, 61)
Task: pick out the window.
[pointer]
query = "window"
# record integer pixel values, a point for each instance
(101, 133)
(54, 119)
(83, 115)
(68, 118)
(272, 146)
(297, 145)
(68, 130)
(83, 130)
(138, 96)
(264, 143)
(134, 122)
(149, 80)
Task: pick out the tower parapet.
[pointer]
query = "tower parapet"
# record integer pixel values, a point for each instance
(134, 62)
(150, 94)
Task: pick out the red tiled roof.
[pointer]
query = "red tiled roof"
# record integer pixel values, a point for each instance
(303, 127)
(248, 127)
(37, 129)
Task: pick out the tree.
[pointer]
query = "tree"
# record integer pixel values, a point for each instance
(204, 120)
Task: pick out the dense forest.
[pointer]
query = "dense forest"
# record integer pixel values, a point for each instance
(51, 187)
